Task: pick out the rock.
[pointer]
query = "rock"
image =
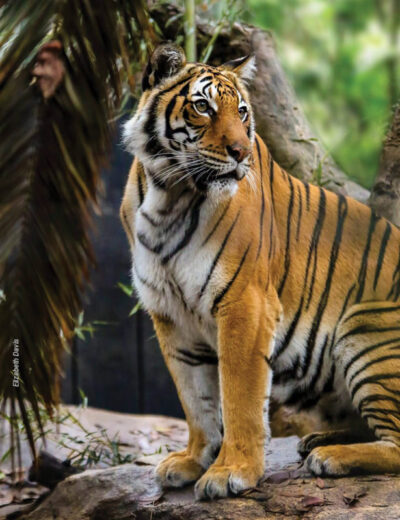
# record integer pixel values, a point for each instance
(286, 492)
(104, 494)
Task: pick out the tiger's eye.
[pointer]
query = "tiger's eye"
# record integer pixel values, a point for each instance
(242, 112)
(201, 106)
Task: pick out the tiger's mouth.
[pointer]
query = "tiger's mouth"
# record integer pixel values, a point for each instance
(213, 177)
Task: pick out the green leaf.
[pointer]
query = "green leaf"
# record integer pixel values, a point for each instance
(127, 289)
(135, 309)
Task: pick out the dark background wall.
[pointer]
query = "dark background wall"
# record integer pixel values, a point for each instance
(121, 367)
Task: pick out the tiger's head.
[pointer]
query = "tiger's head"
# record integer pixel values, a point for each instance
(194, 122)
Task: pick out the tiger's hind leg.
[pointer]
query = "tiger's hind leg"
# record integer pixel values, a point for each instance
(315, 439)
(367, 355)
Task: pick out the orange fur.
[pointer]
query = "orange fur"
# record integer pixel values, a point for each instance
(302, 283)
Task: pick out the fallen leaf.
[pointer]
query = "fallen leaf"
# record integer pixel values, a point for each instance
(257, 493)
(311, 501)
(299, 472)
(277, 478)
(352, 497)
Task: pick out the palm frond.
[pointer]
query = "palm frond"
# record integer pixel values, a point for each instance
(50, 154)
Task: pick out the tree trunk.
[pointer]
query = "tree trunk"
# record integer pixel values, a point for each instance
(385, 194)
(279, 118)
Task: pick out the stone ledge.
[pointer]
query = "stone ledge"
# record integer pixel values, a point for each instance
(131, 492)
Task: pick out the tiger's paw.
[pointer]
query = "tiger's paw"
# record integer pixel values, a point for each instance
(178, 469)
(309, 442)
(328, 461)
(220, 481)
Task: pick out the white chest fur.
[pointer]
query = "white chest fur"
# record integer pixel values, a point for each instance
(171, 263)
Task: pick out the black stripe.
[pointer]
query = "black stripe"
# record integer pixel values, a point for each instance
(397, 268)
(364, 261)
(382, 410)
(153, 145)
(146, 282)
(367, 329)
(366, 350)
(373, 310)
(307, 188)
(300, 212)
(148, 218)
(140, 189)
(318, 367)
(272, 216)
(283, 376)
(206, 78)
(210, 234)
(381, 254)
(262, 201)
(186, 361)
(289, 334)
(166, 211)
(375, 379)
(218, 255)
(181, 215)
(395, 289)
(169, 132)
(271, 176)
(203, 348)
(310, 391)
(194, 221)
(346, 301)
(377, 397)
(371, 363)
(144, 241)
(174, 286)
(314, 243)
(221, 295)
(199, 359)
(341, 216)
(287, 248)
(378, 419)
(271, 239)
(382, 427)
(177, 84)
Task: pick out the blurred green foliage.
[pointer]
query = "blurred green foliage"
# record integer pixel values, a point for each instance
(341, 57)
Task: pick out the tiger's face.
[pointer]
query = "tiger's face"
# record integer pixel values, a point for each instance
(195, 124)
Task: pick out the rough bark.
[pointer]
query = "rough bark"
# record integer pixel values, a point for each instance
(279, 117)
(385, 194)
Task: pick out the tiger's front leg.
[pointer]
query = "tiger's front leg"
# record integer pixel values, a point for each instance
(194, 370)
(245, 337)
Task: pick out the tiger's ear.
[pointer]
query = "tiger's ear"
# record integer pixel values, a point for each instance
(166, 61)
(245, 67)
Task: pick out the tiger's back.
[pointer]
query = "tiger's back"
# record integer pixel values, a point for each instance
(249, 273)
(336, 253)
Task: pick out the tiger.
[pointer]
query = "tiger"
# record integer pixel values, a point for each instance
(259, 285)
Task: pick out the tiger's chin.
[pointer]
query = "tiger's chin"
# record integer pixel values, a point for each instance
(222, 184)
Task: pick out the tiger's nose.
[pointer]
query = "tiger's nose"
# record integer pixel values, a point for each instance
(238, 151)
